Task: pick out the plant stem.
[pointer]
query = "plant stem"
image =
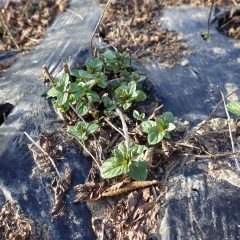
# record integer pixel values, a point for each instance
(105, 119)
(124, 127)
(209, 18)
(230, 130)
(98, 23)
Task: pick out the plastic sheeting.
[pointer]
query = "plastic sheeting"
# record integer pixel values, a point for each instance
(199, 205)
(22, 87)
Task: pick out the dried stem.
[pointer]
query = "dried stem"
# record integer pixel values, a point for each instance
(217, 106)
(218, 155)
(85, 148)
(5, 25)
(124, 127)
(98, 23)
(45, 153)
(48, 75)
(75, 13)
(209, 17)
(114, 127)
(230, 130)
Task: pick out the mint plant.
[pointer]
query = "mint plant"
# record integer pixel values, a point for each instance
(83, 130)
(234, 107)
(60, 91)
(159, 129)
(127, 93)
(128, 161)
(138, 116)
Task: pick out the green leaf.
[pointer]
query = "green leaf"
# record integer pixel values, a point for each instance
(126, 105)
(93, 127)
(112, 168)
(140, 96)
(102, 81)
(94, 96)
(147, 125)
(167, 117)
(52, 92)
(138, 170)
(109, 55)
(82, 108)
(155, 137)
(138, 116)
(64, 80)
(234, 107)
(81, 74)
(73, 131)
(137, 150)
(94, 65)
(62, 98)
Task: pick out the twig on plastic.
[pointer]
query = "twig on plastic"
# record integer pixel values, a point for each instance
(98, 23)
(45, 153)
(75, 13)
(230, 130)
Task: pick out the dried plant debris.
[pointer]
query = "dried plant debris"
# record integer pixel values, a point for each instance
(91, 191)
(229, 24)
(13, 225)
(194, 2)
(45, 151)
(23, 23)
(59, 188)
(136, 28)
(133, 217)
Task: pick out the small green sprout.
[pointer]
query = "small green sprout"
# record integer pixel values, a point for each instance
(128, 161)
(159, 129)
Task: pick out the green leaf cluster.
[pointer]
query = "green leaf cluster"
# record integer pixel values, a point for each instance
(83, 130)
(159, 129)
(127, 93)
(128, 161)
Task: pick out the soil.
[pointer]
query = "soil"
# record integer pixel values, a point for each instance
(194, 2)
(23, 23)
(137, 29)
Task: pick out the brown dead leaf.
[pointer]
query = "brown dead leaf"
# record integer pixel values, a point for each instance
(59, 188)
(13, 225)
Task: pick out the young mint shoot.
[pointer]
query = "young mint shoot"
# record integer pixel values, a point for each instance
(83, 130)
(159, 129)
(128, 161)
(127, 93)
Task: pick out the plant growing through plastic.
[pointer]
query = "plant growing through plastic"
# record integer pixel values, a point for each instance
(97, 92)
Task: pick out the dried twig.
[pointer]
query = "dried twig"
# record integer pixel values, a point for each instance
(75, 13)
(47, 74)
(86, 149)
(45, 153)
(153, 115)
(5, 25)
(218, 155)
(98, 23)
(115, 128)
(217, 106)
(209, 18)
(230, 130)
(124, 127)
